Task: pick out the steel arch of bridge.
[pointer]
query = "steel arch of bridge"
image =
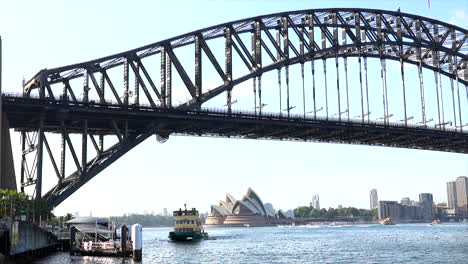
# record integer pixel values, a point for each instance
(406, 38)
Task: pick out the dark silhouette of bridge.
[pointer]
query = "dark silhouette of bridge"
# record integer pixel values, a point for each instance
(96, 100)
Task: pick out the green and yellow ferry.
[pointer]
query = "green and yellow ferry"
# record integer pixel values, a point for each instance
(187, 226)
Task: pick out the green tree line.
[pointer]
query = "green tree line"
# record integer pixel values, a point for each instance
(146, 220)
(332, 213)
(16, 204)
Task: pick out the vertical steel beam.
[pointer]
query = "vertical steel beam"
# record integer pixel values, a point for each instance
(136, 91)
(403, 86)
(84, 146)
(258, 61)
(453, 92)
(363, 39)
(326, 88)
(367, 89)
(168, 82)
(163, 77)
(455, 72)
(101, 143)
(102, 84)
(345, 60)
(381, 53)
(63, 151)
(23, 159)
(386, 88)
(278, 55)
(436, 63)
(338, 85)
(228, 65)
(198, 68)
(357, 22)
(284, 24)
(401, 55)
(441, 99)
(335, 46)
(420, 72)
(85, 86)
(383, 89)
(324, 46)
(84, 135)
(436, 80)
(126, 83)
(312, 60)
(301, 52)
(40, 150)
(458, 94)
(254, 80)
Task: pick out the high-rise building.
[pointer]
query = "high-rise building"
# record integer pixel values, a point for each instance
(426, 201)
(316, 201)
(165, 212)
(374, 199)
(462, 194)
(452, 195)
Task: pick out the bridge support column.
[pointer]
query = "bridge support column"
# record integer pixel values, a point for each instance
(7, 168)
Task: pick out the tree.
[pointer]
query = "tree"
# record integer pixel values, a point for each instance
(13, 204)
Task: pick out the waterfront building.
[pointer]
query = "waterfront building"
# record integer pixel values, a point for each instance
(427, 203)
(452, 195)
(316, 201)
(410, 212)
(462, 194)
(388, 209)
(374, 199)
(248, 211)
(399, 211)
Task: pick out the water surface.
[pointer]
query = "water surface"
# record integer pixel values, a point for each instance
(409, 243)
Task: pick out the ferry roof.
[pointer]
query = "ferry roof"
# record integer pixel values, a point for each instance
(87, 220)
(185, 212)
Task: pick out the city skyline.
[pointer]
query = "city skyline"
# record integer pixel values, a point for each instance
(341, 174)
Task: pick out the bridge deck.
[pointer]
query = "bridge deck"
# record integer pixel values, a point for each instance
(24, 114)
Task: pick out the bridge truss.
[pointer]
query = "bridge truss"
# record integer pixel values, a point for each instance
(127, 97)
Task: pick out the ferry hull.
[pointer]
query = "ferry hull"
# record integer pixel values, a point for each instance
(186, 236)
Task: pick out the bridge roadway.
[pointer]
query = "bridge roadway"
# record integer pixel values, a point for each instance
(24, 114)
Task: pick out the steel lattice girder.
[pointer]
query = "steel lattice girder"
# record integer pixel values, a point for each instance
(428, 43)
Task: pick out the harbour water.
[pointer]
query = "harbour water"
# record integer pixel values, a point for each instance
(407, 243)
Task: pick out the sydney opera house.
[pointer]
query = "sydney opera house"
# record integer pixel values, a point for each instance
(248, 211)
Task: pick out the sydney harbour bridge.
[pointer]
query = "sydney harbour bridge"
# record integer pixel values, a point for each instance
(353, 76)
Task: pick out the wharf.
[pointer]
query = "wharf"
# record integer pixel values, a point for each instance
(23, 241)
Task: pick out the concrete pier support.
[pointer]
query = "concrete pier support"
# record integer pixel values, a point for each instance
(7, 168)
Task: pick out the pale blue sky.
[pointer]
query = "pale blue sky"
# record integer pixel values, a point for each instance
(199, 170)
